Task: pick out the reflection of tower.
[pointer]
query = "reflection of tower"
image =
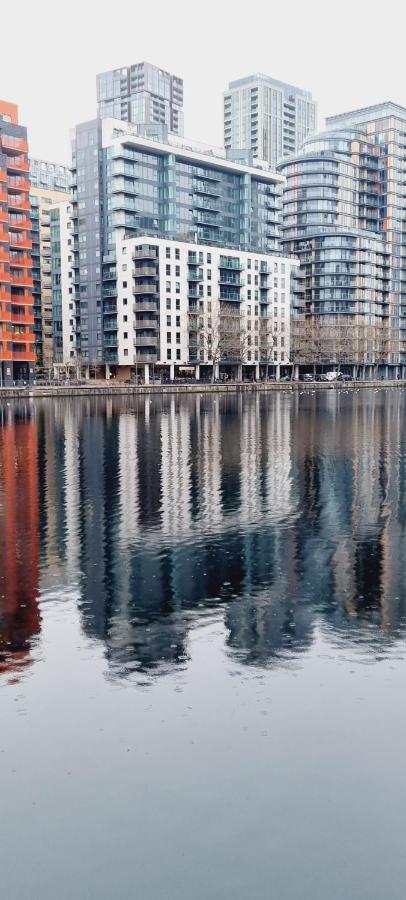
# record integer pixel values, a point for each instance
(176, 488)
(128, 479)
(19, 523)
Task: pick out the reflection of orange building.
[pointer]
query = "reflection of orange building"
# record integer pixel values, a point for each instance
(19, 540)
(16, 303)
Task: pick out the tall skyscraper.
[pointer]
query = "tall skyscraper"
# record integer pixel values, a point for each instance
(267, 119)
(142, 94)
(17, 354)
(343, 212)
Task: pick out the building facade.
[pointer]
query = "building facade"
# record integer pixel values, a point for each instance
(342, 215)
(65, 315)
(50, 176)
(142, 94)
(17, 353)
(128, 186)
(267, 119)
(195, 306)
(41, 200)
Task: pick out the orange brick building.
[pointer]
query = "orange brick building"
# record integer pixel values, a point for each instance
(16, 302)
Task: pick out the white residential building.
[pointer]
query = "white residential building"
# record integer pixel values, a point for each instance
(65, 308)
(195, 306)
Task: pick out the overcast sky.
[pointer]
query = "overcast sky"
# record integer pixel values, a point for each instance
(348, 53)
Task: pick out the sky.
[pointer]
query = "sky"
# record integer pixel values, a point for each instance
(348, 54)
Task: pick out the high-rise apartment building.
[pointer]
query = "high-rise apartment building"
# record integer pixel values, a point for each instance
(343, 212)
(64, 308)
(41, 201)
(17, 354)
(142, 94)
(267, 119)
(128, 186)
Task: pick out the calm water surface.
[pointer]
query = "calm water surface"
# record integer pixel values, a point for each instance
(202, 648)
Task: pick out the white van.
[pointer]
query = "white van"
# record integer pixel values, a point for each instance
(331, 376)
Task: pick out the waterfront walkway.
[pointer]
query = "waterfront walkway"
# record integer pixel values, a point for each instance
(109, 389)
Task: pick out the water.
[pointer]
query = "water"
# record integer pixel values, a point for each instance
(202, 647)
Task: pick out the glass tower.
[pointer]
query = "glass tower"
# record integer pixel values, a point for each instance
(267, 119)
(342, 215)
(142, 94)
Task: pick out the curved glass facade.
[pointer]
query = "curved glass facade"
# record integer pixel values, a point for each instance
(342, 213)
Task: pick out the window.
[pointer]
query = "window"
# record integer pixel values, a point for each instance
(168, 252)
(178, 337)
(177, 253)
(168, 337)
(178, 354)
(126, 352)
(168, 302)
(209, 290)
(177, 303)
(124, 301)
(177, 271)
(168, 321)
(169, 353)
(125, 335)
(168, 286)
(178, 321)
(177, 287)
(168, 270)
(209, 274)
(209, 258)
(124, 284)
(125, 318)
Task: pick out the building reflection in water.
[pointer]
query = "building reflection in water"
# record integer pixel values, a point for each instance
(19, 537)
(282, 514)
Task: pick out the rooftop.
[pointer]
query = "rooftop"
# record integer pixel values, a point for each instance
(272, 82)
(369, 113)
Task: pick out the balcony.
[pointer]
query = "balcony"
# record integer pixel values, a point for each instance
(145, 271)
(194, 276)
(230, 295)
(145, 253)
(17, 164)
(145, 306)
(144, 288)
(20, 260)
(19, 221)
(146, 358)
(109, 292)
(8, 142)
(140, 324)
(146, 341)
(17, 186)
(234, 281)
(230, 262)
(110, 325)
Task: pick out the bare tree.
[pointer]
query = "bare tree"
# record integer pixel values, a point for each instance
(267, 342)
(221, 336)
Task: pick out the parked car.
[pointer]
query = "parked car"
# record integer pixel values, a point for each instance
(343, 376)
(332, 376)
(307, 377)
(285, 378)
